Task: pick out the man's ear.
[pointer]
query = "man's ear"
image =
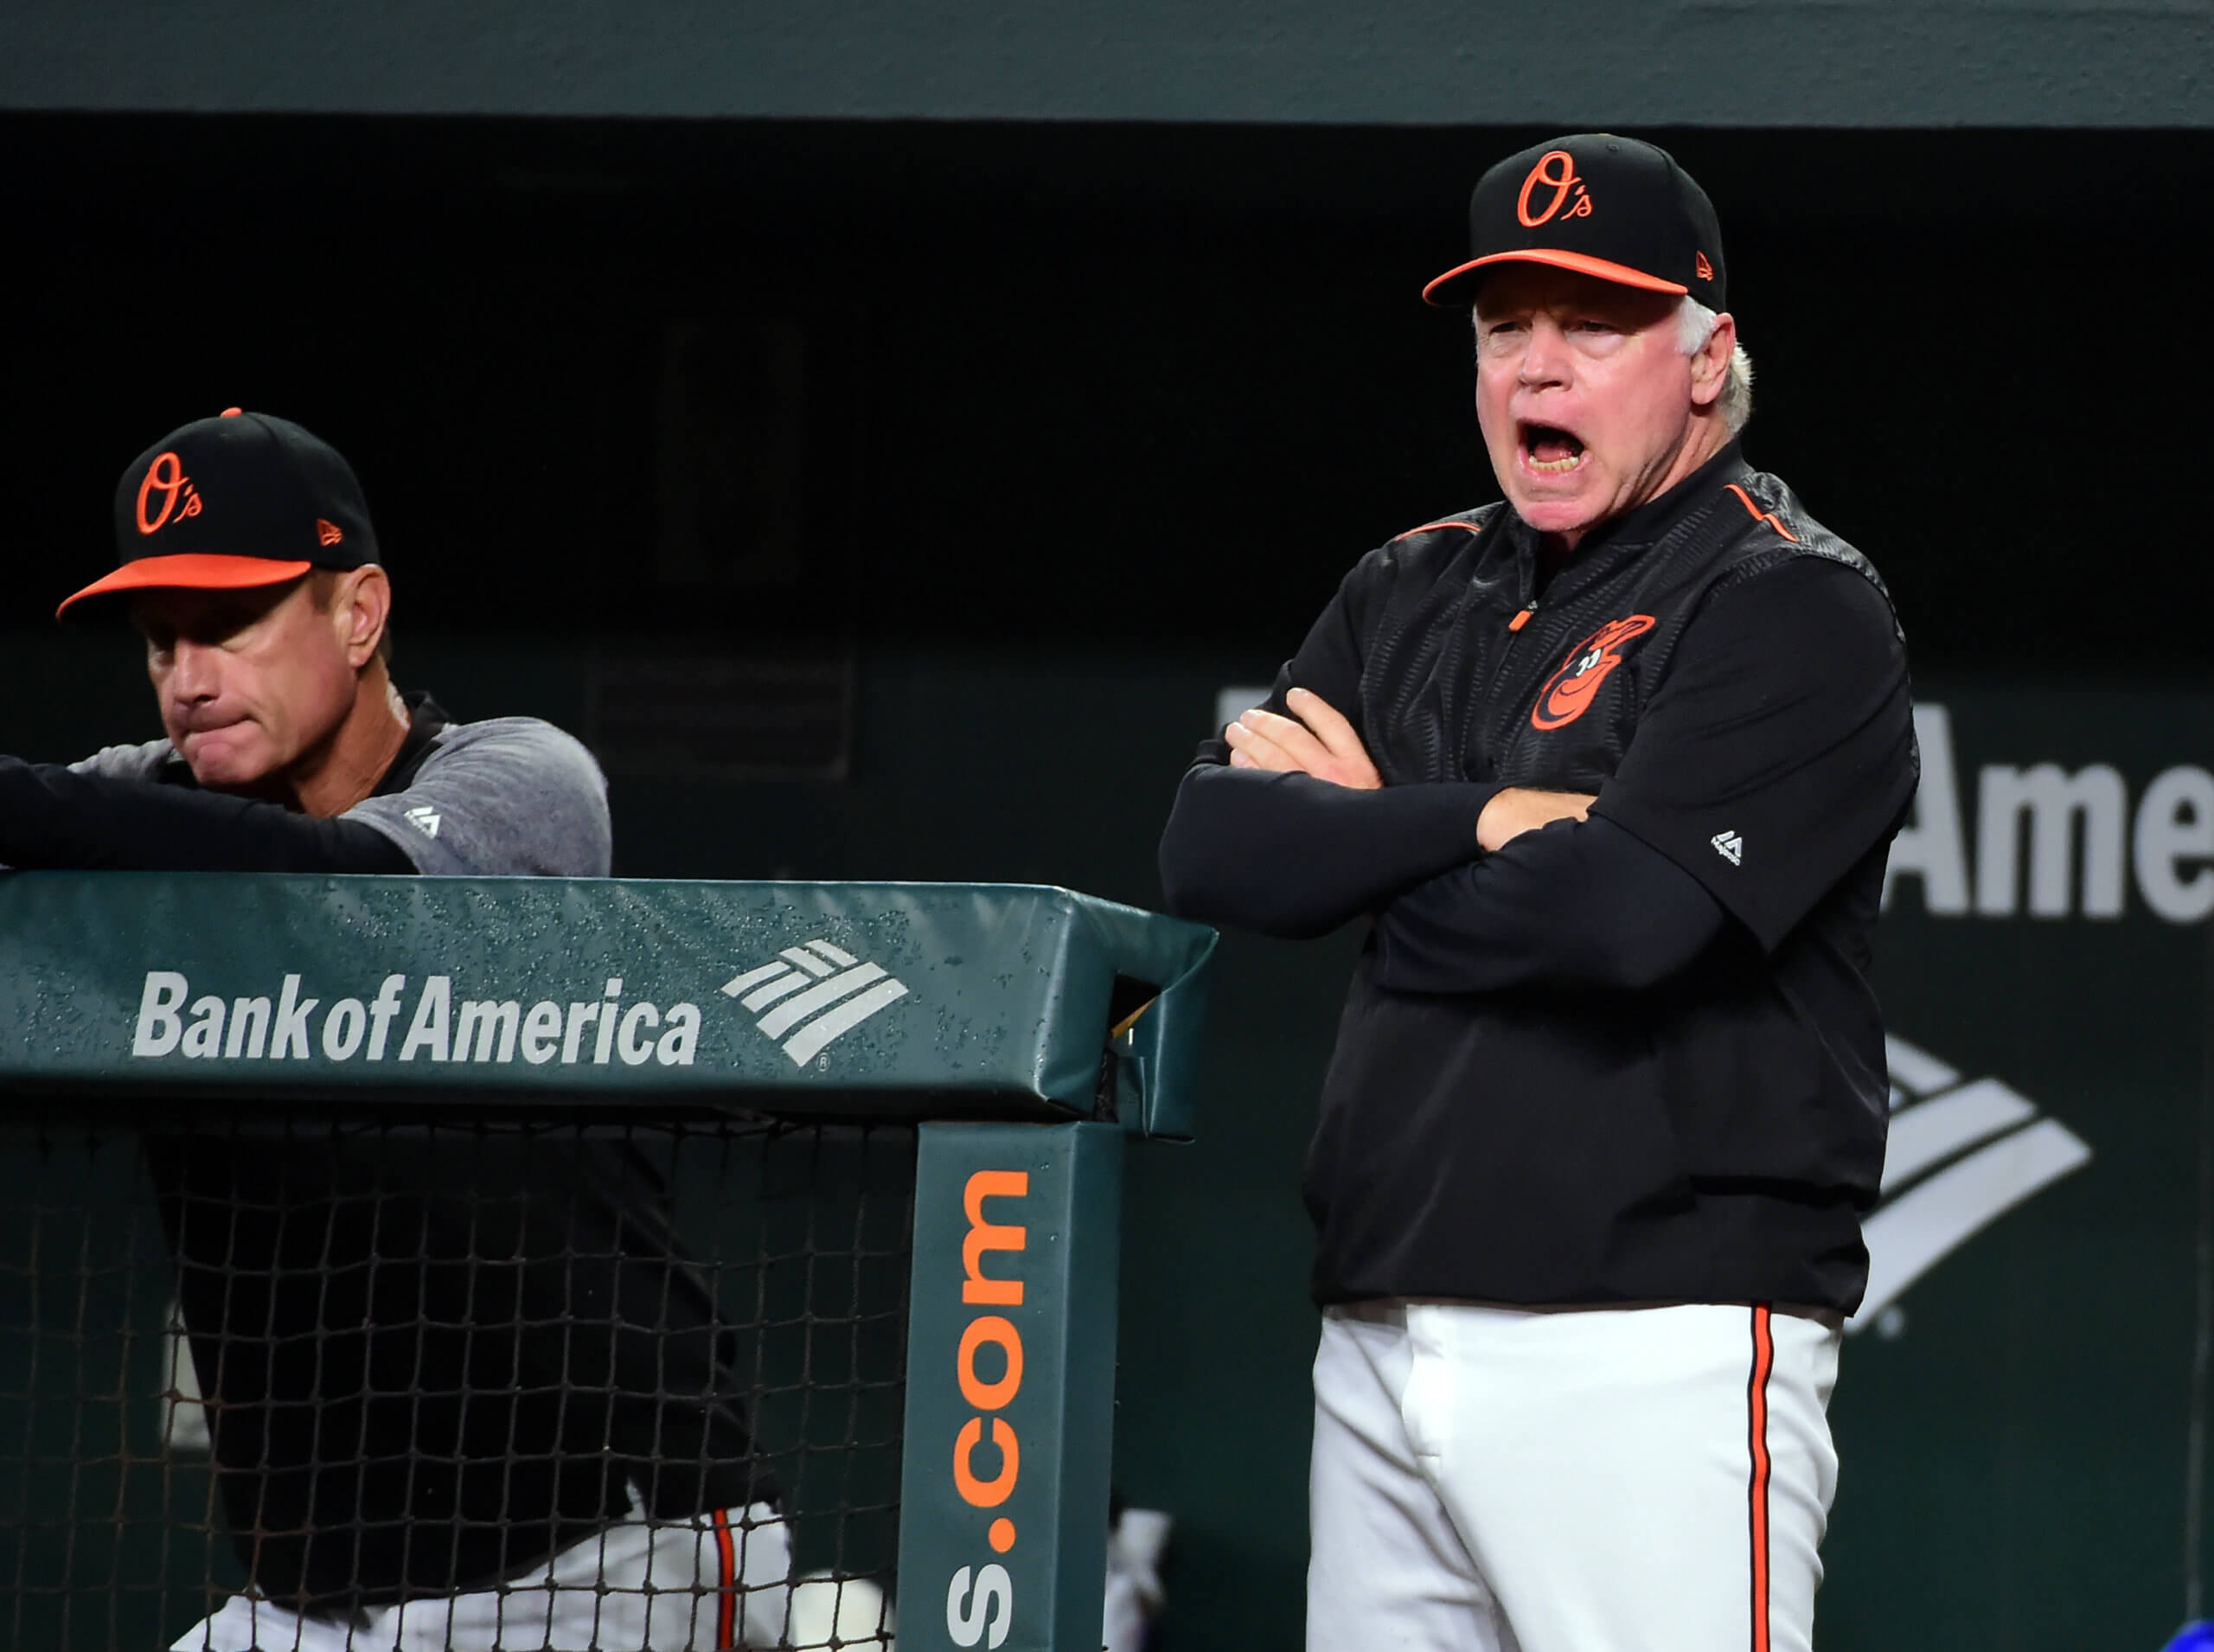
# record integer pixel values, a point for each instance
(362, 608)
(1710, 363)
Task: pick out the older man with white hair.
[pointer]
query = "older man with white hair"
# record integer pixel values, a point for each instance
(1612, 767)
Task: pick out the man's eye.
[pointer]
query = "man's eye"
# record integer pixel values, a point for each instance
(221, 625)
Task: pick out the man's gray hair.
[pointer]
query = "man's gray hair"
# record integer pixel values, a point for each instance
(1694, 326)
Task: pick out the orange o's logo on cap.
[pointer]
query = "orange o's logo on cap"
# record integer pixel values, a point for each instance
(1705, 270)
(1557, 169)
(326, 533)
(166, 476)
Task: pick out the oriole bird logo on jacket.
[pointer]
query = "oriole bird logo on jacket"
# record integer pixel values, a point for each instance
(1568, 693)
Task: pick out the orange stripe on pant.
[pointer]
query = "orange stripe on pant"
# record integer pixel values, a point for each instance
(726, 1593)
(1757, 1411)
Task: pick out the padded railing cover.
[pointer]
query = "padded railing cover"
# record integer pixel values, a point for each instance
(827, 999)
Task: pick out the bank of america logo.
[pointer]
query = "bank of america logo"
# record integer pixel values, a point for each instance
(1961, 1155)
(816, 993)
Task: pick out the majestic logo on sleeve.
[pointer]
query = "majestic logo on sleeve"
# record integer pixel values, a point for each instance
(1568, 693)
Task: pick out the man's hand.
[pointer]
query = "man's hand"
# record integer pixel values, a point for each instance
(1520, 808)
(1313, 740)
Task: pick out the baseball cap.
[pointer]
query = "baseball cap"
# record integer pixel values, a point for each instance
(229, 504)
(1610, 206)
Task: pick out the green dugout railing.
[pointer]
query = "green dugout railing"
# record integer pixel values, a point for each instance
(1027, 1031)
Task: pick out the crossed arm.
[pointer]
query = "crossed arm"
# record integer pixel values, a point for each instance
(1473, 888)
(1317, 740)
(55, 817)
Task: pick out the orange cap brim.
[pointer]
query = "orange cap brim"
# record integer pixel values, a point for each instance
(1582, 263)
(195, 572)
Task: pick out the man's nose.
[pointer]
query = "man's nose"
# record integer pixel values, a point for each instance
(196, 671)
(1545, 355)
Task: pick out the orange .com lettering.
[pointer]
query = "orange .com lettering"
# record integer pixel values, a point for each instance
(993, 1393)
(985, 1494)
(980, 1600)
(990, 1395)
(984, 1236)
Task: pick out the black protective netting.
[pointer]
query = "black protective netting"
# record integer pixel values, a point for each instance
(361, 1361)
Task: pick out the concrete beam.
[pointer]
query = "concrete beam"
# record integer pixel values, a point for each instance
(1824, 63)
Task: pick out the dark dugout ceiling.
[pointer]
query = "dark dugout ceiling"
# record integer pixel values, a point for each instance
(1824, 63)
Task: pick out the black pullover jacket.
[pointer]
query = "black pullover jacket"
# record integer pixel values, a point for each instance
(1631, 1059)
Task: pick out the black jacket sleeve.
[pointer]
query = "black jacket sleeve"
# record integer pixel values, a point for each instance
(51, 816)
(1572, 904)
(1778, 751)
(1292, 855)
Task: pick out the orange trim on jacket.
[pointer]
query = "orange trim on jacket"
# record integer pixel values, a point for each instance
(1760, 516)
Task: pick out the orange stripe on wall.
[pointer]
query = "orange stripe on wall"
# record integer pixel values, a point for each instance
(1756, 1411)
(727, 1591)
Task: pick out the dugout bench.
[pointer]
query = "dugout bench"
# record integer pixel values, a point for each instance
(904, 1107)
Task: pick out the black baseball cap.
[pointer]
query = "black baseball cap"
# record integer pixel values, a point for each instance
(1610, 206)
(234, 502)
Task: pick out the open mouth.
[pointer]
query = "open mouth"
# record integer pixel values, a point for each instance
(1550, 450)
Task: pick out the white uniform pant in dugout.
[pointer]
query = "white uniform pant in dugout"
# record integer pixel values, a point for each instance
(723, 1580)
(1609, 1480)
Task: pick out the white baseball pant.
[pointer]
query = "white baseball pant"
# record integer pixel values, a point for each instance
(722, 1580)
(1651, 1479)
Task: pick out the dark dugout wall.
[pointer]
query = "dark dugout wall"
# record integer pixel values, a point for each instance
(891, 495)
